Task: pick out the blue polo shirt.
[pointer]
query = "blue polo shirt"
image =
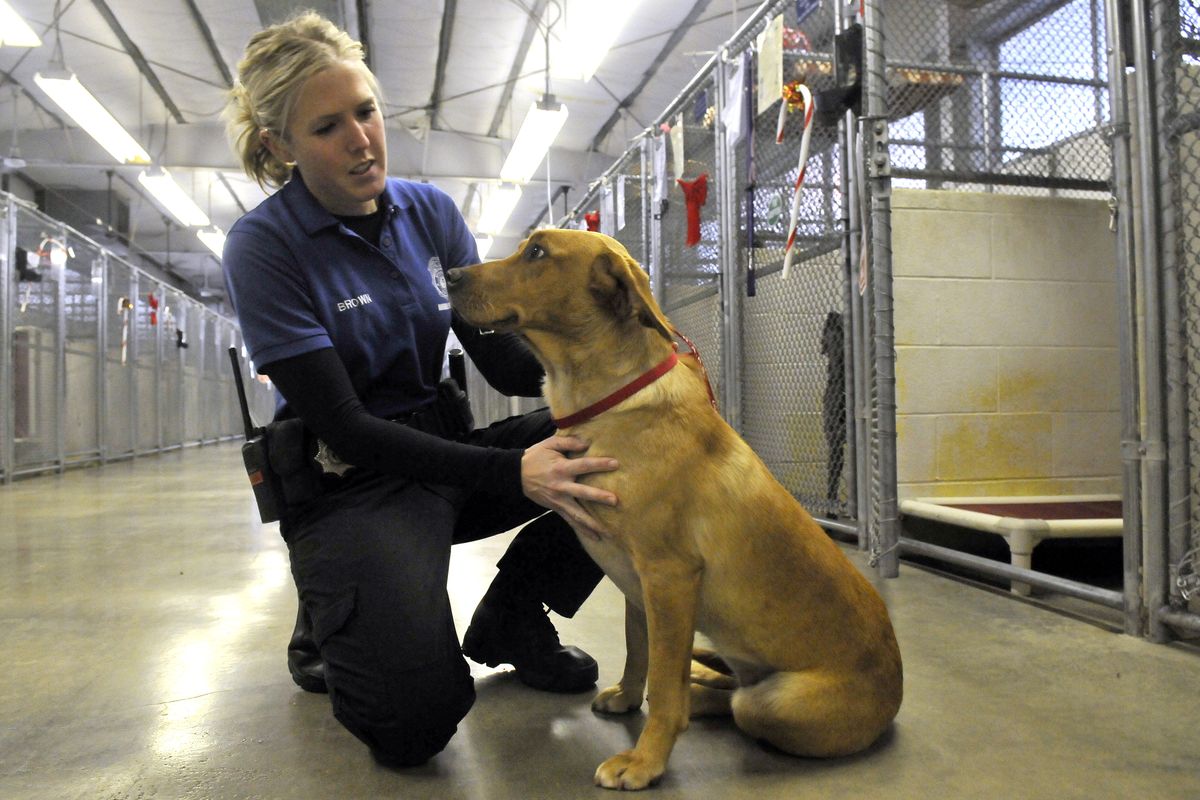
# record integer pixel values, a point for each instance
(300, 280)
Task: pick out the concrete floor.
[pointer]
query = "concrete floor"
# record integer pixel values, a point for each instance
(144, 613)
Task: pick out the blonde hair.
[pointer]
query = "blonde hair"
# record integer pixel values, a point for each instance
(277, 62)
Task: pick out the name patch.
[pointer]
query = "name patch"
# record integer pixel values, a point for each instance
(354, 302)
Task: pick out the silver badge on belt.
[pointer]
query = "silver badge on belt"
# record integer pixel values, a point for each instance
(329, 461)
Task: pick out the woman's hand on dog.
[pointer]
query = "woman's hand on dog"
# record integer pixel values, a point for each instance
(549, 477)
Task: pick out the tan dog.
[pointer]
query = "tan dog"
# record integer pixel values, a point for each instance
(704, 537)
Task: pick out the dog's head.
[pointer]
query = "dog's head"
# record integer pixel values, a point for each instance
(558, 284)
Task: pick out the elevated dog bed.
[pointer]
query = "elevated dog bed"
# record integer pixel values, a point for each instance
(1025, 521)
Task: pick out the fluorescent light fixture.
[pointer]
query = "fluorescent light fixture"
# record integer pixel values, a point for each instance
(213, 238)
(591, 30)
(14, 32)
(484, 245)
(498, 207)
(542, 124)
(171, 197)
(66, 90)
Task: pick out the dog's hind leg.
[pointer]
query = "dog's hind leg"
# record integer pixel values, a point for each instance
(705, 675)
(712, 688)
(811, 713)
(711, 659)
(708, 701)
(711, 691)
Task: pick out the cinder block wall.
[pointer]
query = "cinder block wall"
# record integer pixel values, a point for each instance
(1006, 337)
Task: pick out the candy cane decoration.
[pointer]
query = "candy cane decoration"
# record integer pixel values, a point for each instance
(809, 109)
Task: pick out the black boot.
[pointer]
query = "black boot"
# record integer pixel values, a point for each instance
(509, 627)
(304, 660)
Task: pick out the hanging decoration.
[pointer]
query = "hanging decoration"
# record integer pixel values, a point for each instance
(695, 194)
(53, 252)
(794, 94)
(124, 306)
(592, 219)
(809, 109)
(152, 302)
(795, 39)
(26, 274)
(26, 266)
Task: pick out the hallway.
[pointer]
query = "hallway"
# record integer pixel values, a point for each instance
(145, 612)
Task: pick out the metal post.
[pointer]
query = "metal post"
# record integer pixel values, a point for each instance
(657, 280)
(643, 193)
(730, 292)
(1153, 446)
(885, 551)
(130, 364)
(178, 368)
(202, 410)
(856, 441)
(159, 400)
(1127, 324)
(60, 360)
(8, 243)
(102, 354)
(106, 282)
(1165, 33)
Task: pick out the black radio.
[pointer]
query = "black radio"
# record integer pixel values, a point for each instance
(268, 491)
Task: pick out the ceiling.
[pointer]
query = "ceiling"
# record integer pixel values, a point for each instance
(457, 78)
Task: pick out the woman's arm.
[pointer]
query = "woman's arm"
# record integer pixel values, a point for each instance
(318, 389)
(502, 358)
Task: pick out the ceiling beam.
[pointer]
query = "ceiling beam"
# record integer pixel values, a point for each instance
(672, 42)
(202, 146)
(445, 36)
(37, 104)
(209, 41)
(136, 54)
(363, 9)
(999, 21)
(532, 24)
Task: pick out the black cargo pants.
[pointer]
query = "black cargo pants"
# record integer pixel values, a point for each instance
(370, 557)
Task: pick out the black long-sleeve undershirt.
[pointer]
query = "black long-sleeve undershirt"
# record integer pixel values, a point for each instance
(318, 389)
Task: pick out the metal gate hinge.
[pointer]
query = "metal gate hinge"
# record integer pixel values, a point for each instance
(879, 163)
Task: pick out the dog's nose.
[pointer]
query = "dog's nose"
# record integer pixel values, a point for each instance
(454, 276)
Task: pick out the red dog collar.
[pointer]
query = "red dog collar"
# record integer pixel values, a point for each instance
(629, 389)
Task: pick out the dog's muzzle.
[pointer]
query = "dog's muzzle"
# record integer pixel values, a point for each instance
(455, 277)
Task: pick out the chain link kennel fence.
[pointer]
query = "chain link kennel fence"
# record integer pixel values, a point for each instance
(99, 359)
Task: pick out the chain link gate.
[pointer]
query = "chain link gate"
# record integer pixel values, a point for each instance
(1010, 99)
(99, 360)
(999, 97)
(794, 331)
(1173, 537)
(778, 353)
(1183, 127)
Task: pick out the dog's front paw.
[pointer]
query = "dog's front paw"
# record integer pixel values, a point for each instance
(615, 700)
(628, 770)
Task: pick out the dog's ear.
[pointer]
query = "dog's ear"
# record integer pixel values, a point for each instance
(619, 285)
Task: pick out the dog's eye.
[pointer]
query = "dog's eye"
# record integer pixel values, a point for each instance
(534, 252)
